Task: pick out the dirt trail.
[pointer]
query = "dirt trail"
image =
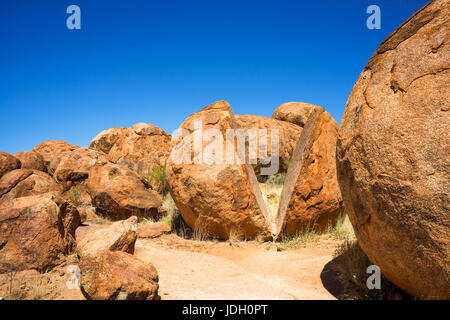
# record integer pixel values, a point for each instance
(190, 269)
(247, 270)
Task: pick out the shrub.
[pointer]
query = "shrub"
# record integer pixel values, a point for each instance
(74, 195)
(276, 179)
(156, 177)
(107, 150)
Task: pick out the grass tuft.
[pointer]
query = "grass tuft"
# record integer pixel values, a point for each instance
(156, 177)
(38, 291)
(300, 239)
(342, 230)
(74, 195)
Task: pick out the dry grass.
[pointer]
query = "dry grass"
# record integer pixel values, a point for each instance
(74, 195)
(171, 211)
(300, 239)
(342, 230)
(173, 218)
(96, 219)
(37, 291)
(354, 262)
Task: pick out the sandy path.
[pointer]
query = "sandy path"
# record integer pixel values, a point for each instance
(206, 270)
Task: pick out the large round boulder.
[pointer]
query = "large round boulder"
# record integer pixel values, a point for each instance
(8, 163)
(118, 193)
(48, 149)
(31, 160)
(215, 197)
(294, 112)
(133, 144)
(393, 155)
(140, 141)
(106, 139)
(311, 198)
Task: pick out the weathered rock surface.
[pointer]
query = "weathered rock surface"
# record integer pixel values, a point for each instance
(288, 135)
(119, 236)
(311, 197)
(72, 167)
(152, 229)
(8, 163)
(26, 182)
(393, 155)
(146, 164)
(36, 232)
(140, 141)
(215, 199)
(105, 140)
(108, 269)
(119, 193)
(31, 160)
(117, 275)
(48, 149)
(133, 144)
(294, 112)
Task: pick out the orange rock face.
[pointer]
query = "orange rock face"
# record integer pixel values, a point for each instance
(393, 155)
(8, 163)
(141, 141)
(72, 167)
(311, 197)
(109, 271)
(119, 193)
(117, 275)
(294, 112)
(48, 149)
(216, 199)
(25, 182)
(152, 229)
(36, 232)
(146, 164)
(105, 140)
(31, 160)
(288, 134)
(119, 236)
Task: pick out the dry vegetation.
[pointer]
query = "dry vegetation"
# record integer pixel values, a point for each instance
(156, 177)
(343, 230)
(350, 265)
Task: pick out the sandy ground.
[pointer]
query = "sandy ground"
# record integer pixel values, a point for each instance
(246, 270)
(192, 269)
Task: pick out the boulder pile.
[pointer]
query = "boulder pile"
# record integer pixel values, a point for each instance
(224, 199)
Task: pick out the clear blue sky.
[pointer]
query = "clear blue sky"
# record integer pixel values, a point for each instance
(160, 61)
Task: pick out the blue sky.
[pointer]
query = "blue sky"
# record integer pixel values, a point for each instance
(160, 61)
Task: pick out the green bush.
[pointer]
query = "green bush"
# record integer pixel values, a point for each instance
(157, 179)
